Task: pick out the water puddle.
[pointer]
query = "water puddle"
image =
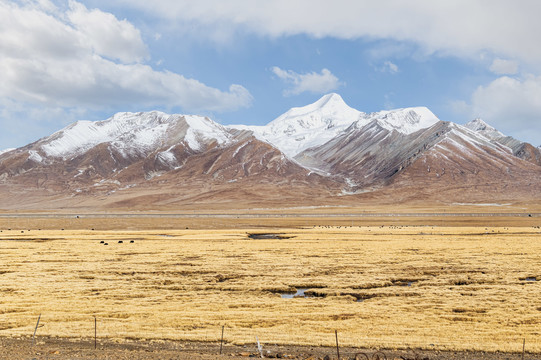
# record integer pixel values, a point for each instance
(269, 236)
(299, 293)
(363, 297)
(404, 282)
(531, 279)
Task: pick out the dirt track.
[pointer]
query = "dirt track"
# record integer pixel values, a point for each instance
(56, 349)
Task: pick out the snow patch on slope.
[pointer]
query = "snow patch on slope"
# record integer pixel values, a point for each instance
(201, 128)
(34, 156)
(167, 158)
(6, 150)
(240, 148)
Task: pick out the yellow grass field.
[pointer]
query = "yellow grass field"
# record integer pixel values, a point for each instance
(384, 287)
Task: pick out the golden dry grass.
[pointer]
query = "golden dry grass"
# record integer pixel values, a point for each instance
(467, 287)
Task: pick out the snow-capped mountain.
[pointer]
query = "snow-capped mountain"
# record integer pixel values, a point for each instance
(310, 155)
(478, 125)
(481, 127)
(405, 121)
(375, 153)
(133, 133)
(135, 153)
(520, 149)
(313, 125)
(106, 147)
(307, 126)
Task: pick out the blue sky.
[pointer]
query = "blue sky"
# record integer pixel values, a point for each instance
(248, 61)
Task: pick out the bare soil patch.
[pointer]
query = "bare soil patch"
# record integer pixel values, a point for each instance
(58, 348)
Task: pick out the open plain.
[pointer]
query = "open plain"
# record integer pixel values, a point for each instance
(433, 283)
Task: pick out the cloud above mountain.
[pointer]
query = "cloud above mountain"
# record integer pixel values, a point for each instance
(246, 61)
(448, 27)
(313, 82)
(79, 57)
(498, 35)
(512, 104)
(502, 67)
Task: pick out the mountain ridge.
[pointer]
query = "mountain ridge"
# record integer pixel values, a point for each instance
(304, 127)
(325, 152)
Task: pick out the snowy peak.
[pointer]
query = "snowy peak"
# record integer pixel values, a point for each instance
(484, 129)
(304, 127)
(519, 149)
(328, 111)
(474, 139)
(478, 124)
(481, 128)
(330, 104)
(332, 99)
(301, 128)
(405, 121)
(202, 129)
(134, 132)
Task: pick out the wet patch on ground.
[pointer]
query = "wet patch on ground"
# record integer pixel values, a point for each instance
(269, 236)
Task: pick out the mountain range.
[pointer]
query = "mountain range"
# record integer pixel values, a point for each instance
(325, 153)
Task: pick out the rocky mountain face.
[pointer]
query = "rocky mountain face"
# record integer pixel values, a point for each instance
(323, 153)
(520, 149)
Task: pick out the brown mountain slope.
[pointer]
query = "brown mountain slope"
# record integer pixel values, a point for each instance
(248, 171)
(459, 171)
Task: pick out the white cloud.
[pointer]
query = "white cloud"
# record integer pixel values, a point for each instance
(386, 49)
(311, 82)
(389, 67)
(45, 5)
(106, 35)
(512, 105)
(90, 58)
(460, 27)
(504, 67)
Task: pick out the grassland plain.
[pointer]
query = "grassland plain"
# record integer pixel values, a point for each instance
(457, 288)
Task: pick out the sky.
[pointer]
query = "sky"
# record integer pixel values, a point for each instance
(249, 61)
